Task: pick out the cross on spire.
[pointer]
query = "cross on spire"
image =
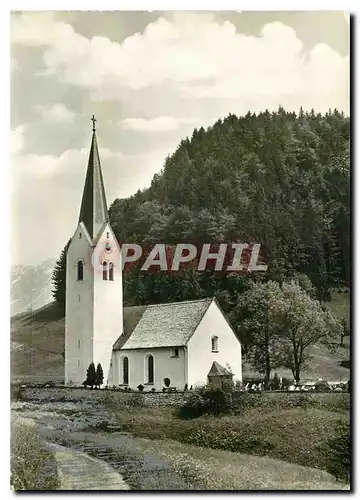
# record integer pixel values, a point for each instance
(93, 119)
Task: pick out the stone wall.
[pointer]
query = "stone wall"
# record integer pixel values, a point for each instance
(266, 400)
(102, 396)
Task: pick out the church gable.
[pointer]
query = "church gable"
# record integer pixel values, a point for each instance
(80, 247)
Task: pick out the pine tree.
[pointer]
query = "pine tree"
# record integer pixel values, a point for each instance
(91, 377)
(99, 376)
(59, 277)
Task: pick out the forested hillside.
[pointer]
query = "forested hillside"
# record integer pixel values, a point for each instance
(279, 179)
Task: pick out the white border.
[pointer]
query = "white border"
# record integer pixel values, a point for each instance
(225, 5)
(215, 5)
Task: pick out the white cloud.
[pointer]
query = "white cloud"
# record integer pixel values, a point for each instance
(187, 50)
(56, 113)
(47, 190)
(17, 140)
(43, 166)
(158, 124)
(37, 29)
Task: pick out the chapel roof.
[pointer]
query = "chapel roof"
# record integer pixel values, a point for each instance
(161, 325)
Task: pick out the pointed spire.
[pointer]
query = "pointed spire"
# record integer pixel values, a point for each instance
(93, 212)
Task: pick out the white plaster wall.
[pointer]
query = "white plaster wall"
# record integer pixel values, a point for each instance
(108, 302)
(200, 357)
(164, 366)
(78, 310)
(94, 312)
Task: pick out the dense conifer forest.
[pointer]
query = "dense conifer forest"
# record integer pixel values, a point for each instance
(279, 179)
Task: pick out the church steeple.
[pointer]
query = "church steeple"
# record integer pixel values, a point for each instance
(93, 212)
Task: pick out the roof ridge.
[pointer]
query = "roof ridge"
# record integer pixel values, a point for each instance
(206, 299)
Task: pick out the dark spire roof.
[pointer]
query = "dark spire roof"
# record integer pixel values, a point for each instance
(93, 212)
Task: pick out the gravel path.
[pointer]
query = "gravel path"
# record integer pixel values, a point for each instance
(80, 471)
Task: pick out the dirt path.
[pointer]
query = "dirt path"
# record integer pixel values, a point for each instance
(65, 426)
(80, 471)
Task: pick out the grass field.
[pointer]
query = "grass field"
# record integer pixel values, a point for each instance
(38, 347)
(294, 435)
(299, 435)
(210, 469)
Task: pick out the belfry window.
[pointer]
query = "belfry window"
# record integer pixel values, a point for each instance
(111, 271)
(105, 270)
(80, 270)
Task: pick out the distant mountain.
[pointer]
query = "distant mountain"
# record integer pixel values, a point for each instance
(31, 286)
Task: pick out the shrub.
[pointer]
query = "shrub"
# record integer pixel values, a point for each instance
(218, 401)
(99, 377)
(90, 376)
(322, 386)
(338, 453)
(193, 406)
(238, 386)
(243, 402)
(286, 383)
(205, 401)
(275, 382)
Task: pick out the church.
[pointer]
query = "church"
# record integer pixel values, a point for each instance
(172, 345)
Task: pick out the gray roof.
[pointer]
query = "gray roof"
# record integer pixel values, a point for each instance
(217, 369)
(161, 325)
(93, 212)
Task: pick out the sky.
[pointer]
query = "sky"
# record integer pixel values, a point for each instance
(150, 78)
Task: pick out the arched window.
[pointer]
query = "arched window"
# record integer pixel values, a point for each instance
(150, 369)
(105, 270)
(80, 270)
(111, 271)
(214, 344)
(126, 371)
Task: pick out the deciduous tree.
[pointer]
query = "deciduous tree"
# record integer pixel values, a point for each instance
(304, 323)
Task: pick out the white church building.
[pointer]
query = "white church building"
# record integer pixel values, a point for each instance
(156, 346)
